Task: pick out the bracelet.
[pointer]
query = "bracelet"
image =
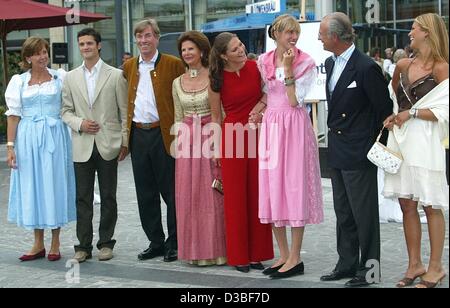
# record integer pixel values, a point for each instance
(289, 82)
(10, 144)
(416, 113)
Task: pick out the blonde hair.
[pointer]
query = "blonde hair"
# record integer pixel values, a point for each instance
(282, 23)
(32, 45)
(434, 25)
(143, 24)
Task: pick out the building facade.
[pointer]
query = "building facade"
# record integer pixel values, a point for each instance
(379, 23)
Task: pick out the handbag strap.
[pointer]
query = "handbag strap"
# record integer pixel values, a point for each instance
(381, 131)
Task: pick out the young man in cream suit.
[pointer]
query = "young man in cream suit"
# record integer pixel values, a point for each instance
(95, 108)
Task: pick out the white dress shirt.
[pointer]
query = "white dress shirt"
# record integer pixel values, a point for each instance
(339, 64)
(91, 78)
(145, 110)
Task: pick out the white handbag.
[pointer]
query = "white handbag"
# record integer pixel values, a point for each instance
(383, 157)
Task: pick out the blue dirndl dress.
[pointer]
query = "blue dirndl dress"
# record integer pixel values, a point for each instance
(42, 190)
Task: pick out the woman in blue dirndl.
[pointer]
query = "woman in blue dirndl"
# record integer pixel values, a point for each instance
(42, 190)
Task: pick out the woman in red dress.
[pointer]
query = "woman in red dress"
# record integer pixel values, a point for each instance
(235, 86)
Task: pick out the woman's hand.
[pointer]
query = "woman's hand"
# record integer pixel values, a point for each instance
(288, 58)
(389, 122)
(401, 118)
(11, 158)
(216, 162)
(255, 117)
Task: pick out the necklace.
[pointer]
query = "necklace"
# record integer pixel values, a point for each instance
(193, 72)
(39, 81)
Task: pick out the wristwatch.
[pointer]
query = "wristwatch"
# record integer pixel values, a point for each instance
(412, 112)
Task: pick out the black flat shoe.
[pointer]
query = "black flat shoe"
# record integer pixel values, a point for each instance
(243, 268)
(257, 266)
(299, 269)
(271, 270)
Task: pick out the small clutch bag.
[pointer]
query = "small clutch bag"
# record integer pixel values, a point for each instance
(384, 158)
(217, 185)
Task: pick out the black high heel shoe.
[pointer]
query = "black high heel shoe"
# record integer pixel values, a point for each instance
(296, 270)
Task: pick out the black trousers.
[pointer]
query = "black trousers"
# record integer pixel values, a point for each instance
(355, 198)
(154, 175)
(107, 181)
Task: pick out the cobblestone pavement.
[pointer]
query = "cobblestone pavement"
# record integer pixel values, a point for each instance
(124, 270)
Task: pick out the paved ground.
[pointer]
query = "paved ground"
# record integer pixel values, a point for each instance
(124, 270)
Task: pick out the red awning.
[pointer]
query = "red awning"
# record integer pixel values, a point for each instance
(26, 15)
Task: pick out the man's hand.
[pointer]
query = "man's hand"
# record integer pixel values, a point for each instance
(123, 153)
(90, 127)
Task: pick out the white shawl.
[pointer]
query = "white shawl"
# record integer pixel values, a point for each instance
(421, 142)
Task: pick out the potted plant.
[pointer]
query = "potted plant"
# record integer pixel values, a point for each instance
(13, 68)
(2, 124)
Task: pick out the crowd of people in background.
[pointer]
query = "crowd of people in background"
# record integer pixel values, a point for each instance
(264, 170)
(391, 56)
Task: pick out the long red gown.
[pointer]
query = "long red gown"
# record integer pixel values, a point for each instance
(247, 240)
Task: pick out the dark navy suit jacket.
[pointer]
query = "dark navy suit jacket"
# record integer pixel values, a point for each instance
(355, 114)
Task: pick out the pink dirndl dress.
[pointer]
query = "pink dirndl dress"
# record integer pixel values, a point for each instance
(290, 190)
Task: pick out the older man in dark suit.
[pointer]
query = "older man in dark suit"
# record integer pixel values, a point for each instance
(358, 102)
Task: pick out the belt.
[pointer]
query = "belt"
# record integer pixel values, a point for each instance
(146, 125)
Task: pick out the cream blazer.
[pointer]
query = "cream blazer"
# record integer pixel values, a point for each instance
(109, 110)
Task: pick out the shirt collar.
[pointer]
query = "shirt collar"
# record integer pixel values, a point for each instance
(346, 54)
(153, 60)
(96, 67)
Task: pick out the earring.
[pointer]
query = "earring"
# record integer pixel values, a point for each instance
(29, 61)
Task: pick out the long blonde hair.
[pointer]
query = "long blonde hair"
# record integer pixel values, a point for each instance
(434, 25)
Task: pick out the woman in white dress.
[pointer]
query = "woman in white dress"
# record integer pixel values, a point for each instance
(420, 126)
